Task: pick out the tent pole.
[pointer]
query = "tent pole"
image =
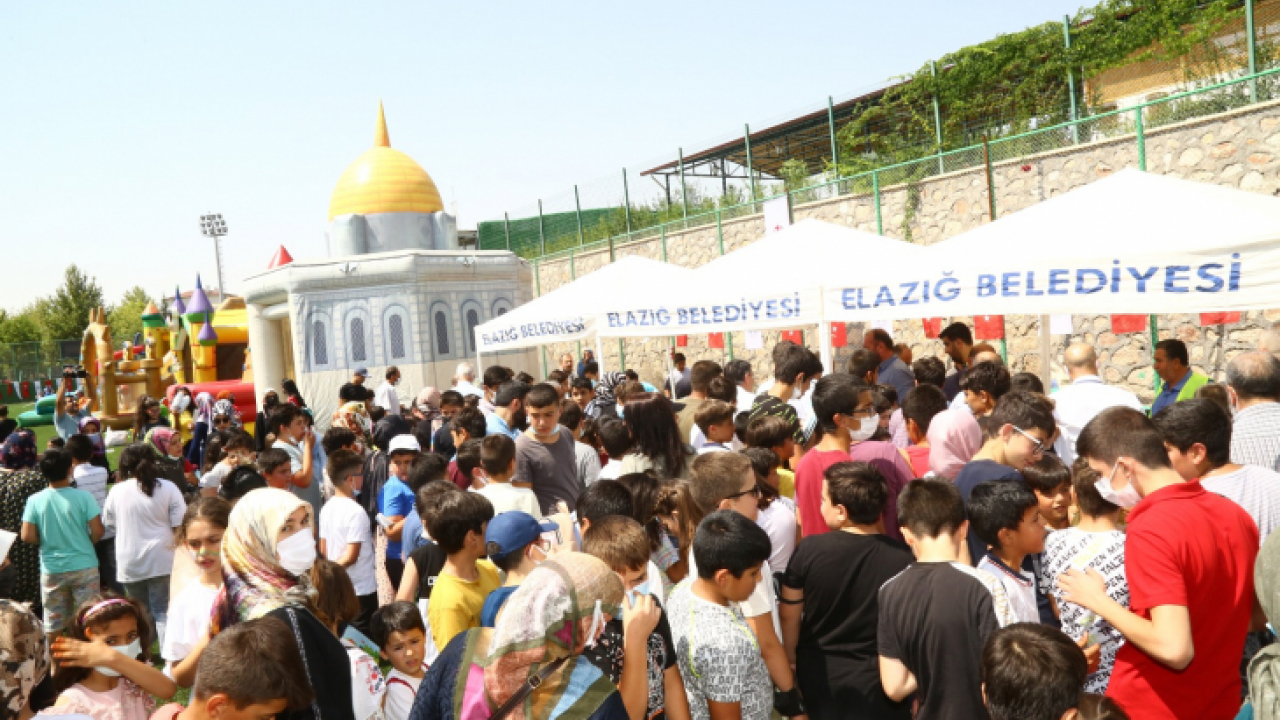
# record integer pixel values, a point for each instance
(599, 353)
(824, 333)
(1046, 372)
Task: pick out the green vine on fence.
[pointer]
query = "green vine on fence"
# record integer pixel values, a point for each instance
(1016, 82)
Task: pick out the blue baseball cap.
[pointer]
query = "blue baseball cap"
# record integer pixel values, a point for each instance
(362, 372)
(511, 531)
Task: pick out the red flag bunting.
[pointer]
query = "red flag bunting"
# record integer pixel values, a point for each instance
(715, 341)
(839, 335)
(1128, 323)
(988, 327)
(682, 341)
(932, 327)
(794, 336)
(1219, 318)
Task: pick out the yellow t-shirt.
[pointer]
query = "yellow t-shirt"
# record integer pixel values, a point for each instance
(787, 483)
(456, 603)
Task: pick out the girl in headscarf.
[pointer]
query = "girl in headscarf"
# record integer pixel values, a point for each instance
(26, 659)
(91, 428)
(227, 399)
(225, 415)
(267, 553)
(18, 482)
(270, 400)
(353, 416)
(954, 437)
(605, 404)
(203, 426)
(166, 446)
(427, 409)
(557, 613)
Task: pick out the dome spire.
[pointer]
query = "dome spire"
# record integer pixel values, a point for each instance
(380, 137)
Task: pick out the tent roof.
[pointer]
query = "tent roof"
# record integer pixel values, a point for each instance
(828, 254)
(1128, 212)
(610, 286)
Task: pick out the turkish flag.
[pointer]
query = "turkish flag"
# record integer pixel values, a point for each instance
(1128, 323)
(795, 336)
(932, 326)
(1219, 318)
(715, 341)
(988, 327)
(839, 335)
(682, 341)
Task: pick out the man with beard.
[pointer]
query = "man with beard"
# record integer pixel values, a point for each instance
(508, 410)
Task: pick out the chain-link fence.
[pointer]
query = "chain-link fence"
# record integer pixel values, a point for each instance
(1058, 85)
(26, 367)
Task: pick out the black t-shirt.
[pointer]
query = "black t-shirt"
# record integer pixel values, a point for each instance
(326, 664)
(969, 477)
(838, 667)
(608, 654)
(935, 619)
(770, 406)
(428, 560)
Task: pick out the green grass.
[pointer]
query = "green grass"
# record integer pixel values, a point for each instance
(45, 432)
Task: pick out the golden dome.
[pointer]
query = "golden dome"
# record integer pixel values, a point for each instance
(384, 180)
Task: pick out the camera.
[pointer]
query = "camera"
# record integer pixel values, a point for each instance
(77, 371)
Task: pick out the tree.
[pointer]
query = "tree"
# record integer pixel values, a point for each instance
(66, 314)
(126, 318)
(20, 327)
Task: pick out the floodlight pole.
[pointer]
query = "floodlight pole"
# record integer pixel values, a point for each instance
(212, 225)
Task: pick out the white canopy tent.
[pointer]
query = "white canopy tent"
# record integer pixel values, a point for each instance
(571, 312)
(775, 282)
(1132, 242)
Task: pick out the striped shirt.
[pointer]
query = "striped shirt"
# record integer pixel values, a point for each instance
(1255, 436)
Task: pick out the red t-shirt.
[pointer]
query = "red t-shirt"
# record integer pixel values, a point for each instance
(1187, 546)
(809, 488)
(919, 460)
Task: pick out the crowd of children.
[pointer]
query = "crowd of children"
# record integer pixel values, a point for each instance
(589, 548)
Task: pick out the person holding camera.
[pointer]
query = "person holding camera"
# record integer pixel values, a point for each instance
(68, 411)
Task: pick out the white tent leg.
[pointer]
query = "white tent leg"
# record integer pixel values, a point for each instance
(824, 336)
(600, 353)
(1046, 370)
(479, 364)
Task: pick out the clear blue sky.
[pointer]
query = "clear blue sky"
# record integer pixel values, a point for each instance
(124, 122)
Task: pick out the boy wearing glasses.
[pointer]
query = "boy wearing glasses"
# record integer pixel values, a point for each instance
(1016, 433)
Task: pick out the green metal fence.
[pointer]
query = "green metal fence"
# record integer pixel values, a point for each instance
(31, 361)
(1237, 67)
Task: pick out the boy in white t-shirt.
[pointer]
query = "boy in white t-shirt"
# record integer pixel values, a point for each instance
(616, 440)
(93, 480)
(715, 419)
(401, 635)
(346, 537)
(498, 459)
(1006, 516)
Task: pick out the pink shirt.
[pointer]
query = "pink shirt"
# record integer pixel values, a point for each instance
(884, 457)
(809, 488)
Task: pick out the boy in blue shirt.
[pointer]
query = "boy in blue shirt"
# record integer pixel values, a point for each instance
(395, 500)
(65, 522)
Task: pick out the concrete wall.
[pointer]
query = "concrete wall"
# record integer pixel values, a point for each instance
(1240, 149)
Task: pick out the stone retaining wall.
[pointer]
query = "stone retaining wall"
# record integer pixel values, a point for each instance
(1239, 149)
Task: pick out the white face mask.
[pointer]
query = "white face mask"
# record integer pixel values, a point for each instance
(180, 403)
(297, 552)
(866, 428)
(132, 650)
(1126, 498)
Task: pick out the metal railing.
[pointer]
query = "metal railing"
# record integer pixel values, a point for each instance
(566, 229)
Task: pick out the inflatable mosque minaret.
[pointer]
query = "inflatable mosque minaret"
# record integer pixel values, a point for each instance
(395, 289)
